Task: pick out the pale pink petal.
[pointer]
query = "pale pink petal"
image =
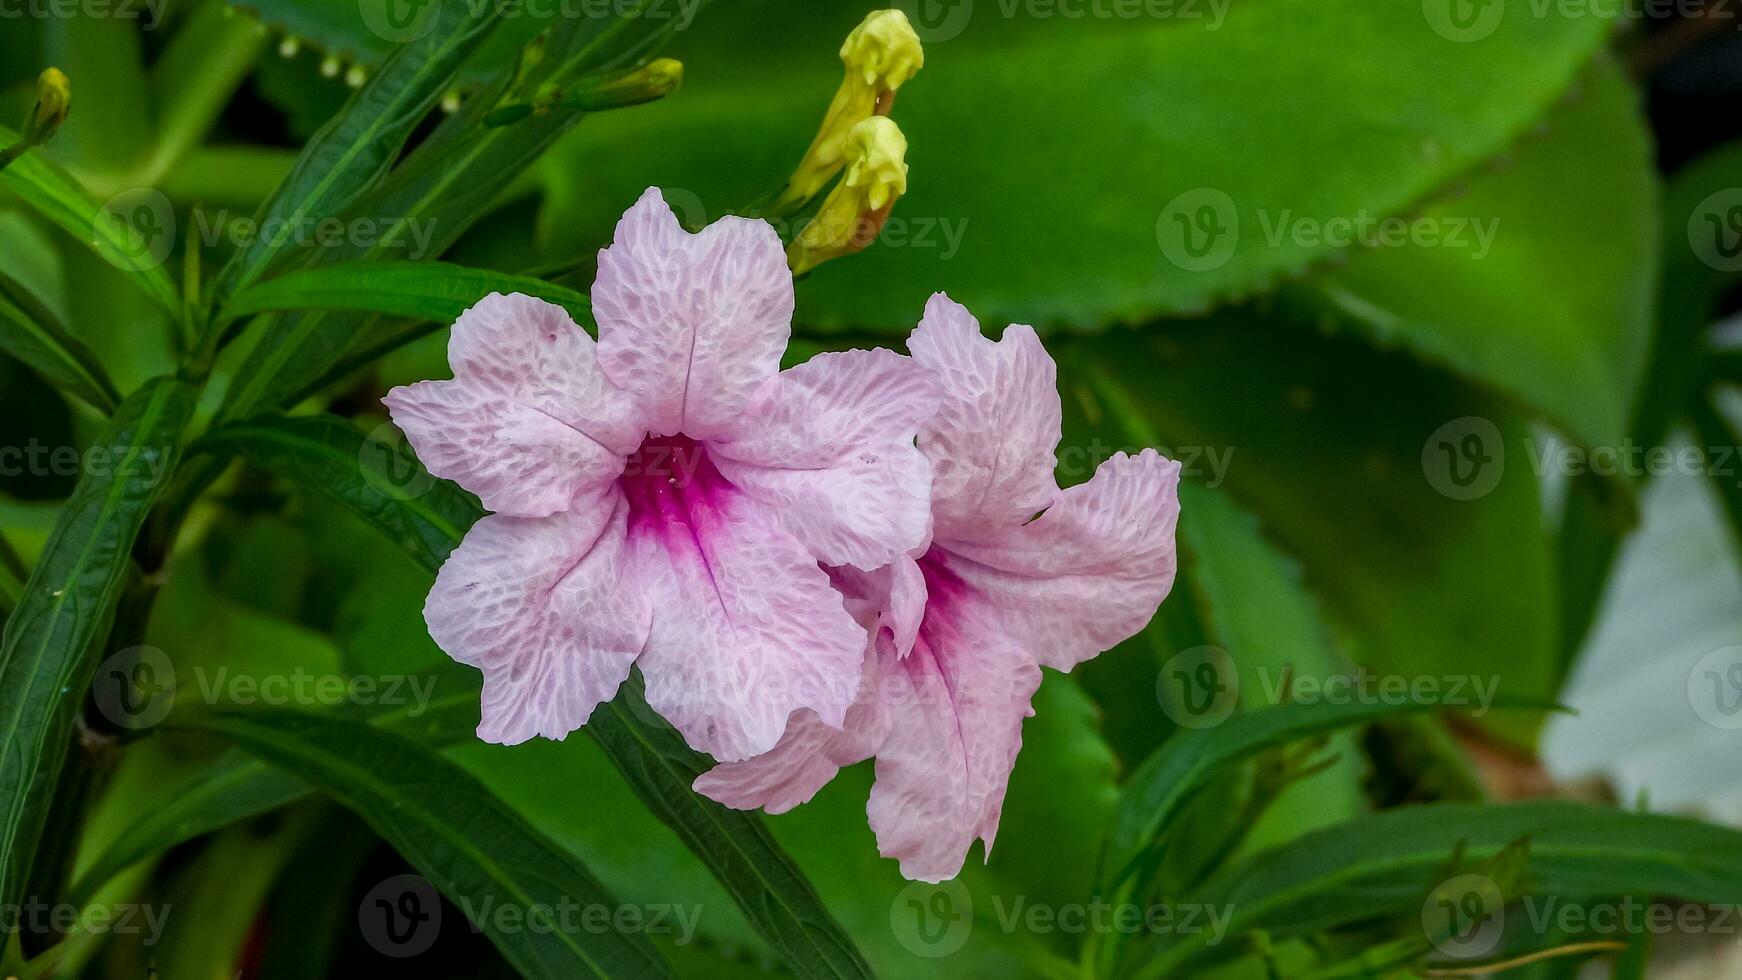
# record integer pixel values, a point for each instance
(1088, 573)
(954, 733)
(807, 756)
(992, 441)
(529, 420)
(828, 446)
(691, 325)
(746, 629)
(537, 605)
(890, 599)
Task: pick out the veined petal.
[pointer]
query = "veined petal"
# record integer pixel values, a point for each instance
(1090, 572)
(992, 441)
(808, 755)
(539, 605)
(529, 421)
(746, 629)
(691, 325)
(956, 707)
(828, 446)
(891, 598)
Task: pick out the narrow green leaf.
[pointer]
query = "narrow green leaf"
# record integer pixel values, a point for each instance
(1169, 778)
(238, 785)
(1385, 864)
(509, 878)
(736, 846)
(68, 603)
(29, 332)
(355, 149)
(433, 291)
(12, 576)
(107, 230)
(375, 475)
(443, 187)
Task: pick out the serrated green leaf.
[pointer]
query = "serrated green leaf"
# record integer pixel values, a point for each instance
(1417, 578)
(1089, 138)
(1540, 277)
(473, 848)
(57, 196)
(434, 291)
(68, 603)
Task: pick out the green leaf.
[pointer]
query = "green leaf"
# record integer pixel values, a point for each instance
(1555, 304)
(375, 475)
(478, 852)
(1251, 603)
(428, 518)
(1693, 278)
(1088, 139)
(1167, 780)
(106, 229)
(1425, 577)
(29, 332)
(1386, 864)
(69, 601)
(445, 186)
(335, 27)
(237, 786)
(735, 844)
(355, 149)
(433, 291)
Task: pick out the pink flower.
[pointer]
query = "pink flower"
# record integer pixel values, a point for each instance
(664, 496)
(959, 636)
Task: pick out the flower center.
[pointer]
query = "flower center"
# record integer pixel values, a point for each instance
(670, 481)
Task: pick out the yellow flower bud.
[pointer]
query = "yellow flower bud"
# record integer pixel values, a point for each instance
(53, 94)
(855, 211)
(880, 55)
(883, 50)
